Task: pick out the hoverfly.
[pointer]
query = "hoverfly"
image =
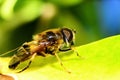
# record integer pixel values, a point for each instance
(47, 42)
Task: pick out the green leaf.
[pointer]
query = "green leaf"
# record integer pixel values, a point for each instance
(99, 60)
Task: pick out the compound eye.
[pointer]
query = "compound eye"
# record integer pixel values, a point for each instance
(67, 34)
(51, 36)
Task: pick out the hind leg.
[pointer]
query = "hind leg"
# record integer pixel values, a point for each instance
(28, 63)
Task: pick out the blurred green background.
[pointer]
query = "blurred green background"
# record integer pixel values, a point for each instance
(20, 19)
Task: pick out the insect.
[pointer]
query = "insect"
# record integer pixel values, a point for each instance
(47, 42)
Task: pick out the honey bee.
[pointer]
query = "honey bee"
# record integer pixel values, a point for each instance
(47, 42)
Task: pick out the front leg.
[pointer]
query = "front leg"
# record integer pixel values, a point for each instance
(65, 49)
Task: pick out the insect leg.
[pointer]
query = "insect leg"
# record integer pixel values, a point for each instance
(77, 53)
(61, 63)
(64, 50)
(1, 55)
(25, 67)
(28, 63)
(73, 48)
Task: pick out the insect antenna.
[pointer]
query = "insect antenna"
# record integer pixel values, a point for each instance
(8, 52)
